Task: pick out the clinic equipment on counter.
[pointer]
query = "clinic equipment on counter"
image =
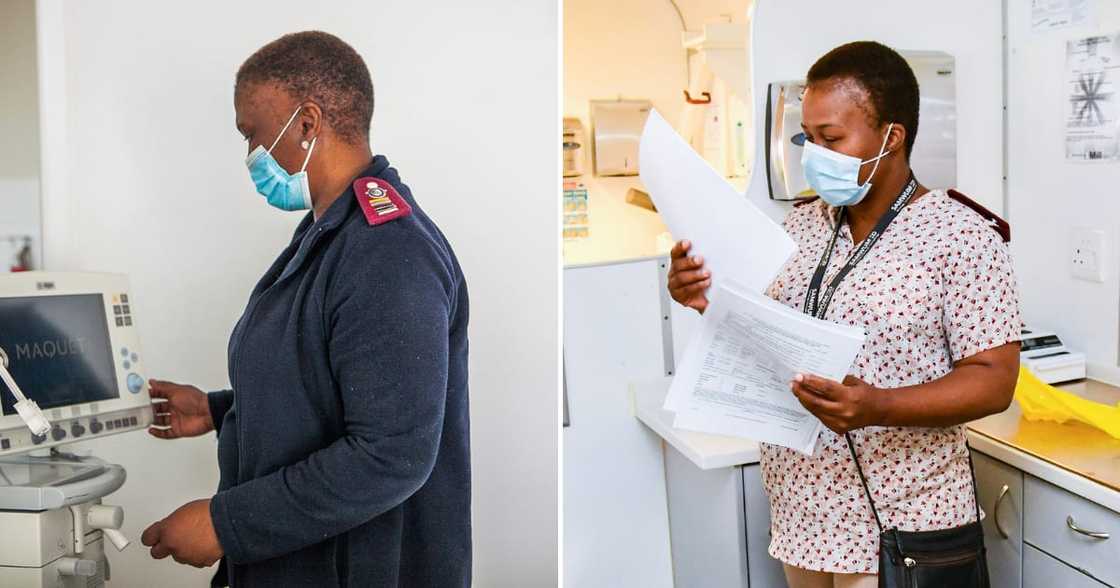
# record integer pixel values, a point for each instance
(71, 346)
(1048, 358)
(573, 147)
(934, 158)
(616, 130)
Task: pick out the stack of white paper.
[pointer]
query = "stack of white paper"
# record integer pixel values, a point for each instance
(735, 377)
(739, 242)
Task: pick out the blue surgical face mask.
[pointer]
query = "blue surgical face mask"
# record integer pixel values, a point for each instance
(835, 176)
(282, 190)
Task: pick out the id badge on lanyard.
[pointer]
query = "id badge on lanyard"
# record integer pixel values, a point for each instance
(816, 302)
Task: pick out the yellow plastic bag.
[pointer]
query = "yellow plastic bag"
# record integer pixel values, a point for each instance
(1043, 402)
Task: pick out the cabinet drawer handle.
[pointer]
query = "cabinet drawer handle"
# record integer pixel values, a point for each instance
(995, 511)
(1094, 534)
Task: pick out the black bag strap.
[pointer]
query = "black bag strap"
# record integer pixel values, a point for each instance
(863, 480)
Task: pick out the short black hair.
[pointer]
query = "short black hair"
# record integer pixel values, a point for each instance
(883, 74)
(318, 66)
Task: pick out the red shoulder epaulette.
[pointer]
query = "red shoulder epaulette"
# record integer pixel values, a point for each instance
(998, 224)
(380, 202)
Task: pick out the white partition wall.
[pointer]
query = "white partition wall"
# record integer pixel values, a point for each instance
(616, 525)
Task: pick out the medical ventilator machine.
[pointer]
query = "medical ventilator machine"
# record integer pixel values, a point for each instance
(72, 372)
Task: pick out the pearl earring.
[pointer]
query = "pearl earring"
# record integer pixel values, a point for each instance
(305, 145)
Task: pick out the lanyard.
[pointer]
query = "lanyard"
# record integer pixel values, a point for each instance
(816, 303)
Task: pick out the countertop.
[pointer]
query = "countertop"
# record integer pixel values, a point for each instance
(1073, 456)
(706, 451)
(1079, 458)
(620, 231)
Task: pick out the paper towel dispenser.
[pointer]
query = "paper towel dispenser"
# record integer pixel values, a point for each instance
(934, 158)
(616, 128)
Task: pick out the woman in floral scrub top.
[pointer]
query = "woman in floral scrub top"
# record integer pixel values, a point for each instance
(937, 298)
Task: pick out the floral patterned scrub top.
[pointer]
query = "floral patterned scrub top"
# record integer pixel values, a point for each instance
(937, 287)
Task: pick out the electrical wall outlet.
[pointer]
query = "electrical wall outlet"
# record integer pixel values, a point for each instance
(1087, 254)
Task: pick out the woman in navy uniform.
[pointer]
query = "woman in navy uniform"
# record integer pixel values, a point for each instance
(344, 442)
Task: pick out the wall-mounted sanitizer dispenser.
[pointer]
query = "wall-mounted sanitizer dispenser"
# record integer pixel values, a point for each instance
(934, 159)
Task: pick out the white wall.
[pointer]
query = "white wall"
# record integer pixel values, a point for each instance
(19, 151)
(1048, 197)
(788, 36)
(19, 129)
(144, 174)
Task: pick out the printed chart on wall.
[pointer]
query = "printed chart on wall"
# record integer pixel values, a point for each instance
(1093, 111)
(1048, 15)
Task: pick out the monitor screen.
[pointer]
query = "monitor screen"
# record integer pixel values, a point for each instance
(58, 350)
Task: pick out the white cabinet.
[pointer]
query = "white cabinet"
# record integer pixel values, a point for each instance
(1041, 536)
(616, 527)
(1000, 487)
(707, 524)
(1076, 531)
(765, 571)
(1042, 570)
(719, 521)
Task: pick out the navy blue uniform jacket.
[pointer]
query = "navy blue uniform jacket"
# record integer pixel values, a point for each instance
(344, 444)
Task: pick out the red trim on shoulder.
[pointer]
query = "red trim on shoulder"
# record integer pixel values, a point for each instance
(998, 224)
(380, 202)
(804, 201)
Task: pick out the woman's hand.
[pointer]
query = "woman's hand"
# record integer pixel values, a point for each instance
(187, 535)
(180, 411)
(844, 407)
(688, 280)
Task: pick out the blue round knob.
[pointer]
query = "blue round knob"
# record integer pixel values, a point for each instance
(135, 383)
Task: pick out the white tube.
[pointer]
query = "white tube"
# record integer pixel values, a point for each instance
(79, 527)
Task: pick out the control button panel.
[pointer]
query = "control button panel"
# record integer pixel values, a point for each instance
(70, 430)
(130, 361)
(122, 310)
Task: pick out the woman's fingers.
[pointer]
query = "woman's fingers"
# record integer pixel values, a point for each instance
(820, 386)
(157, 389)
(693, 292)
(680, 249)
(688, 280)
(686, 264)
(813, 402)
(679, 280)
(161, 433)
